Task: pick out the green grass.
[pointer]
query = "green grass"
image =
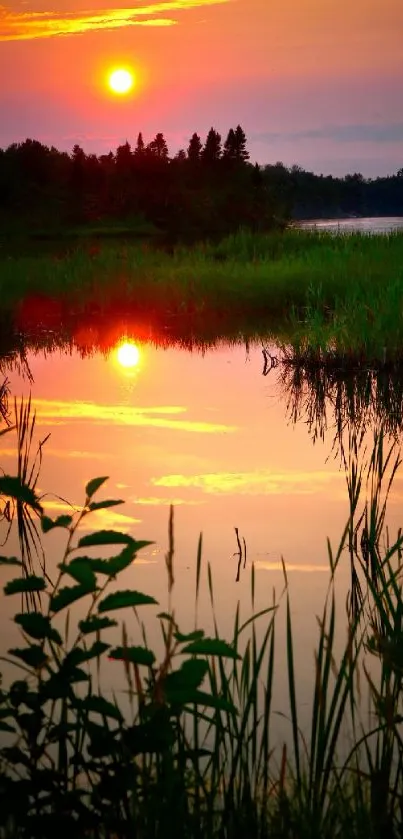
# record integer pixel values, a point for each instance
(193, 757)
(324, 293)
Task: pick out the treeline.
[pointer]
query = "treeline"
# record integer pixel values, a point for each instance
(209, 188)
(305, 195)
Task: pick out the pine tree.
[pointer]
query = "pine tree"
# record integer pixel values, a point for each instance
(158, 147)
(241, 152)
(230, 146)
(211, 152)
(124, 158)
(139, 150)
(194, 148)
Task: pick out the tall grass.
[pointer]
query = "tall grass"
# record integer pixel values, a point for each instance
(190, 752)
(331, 293)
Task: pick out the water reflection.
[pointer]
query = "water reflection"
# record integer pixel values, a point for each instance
(232, 450)
(331, 399)
(128, 354)
(204, 431)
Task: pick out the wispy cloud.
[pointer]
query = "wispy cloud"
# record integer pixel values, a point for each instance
(53, 412)
(260, 482)
(350, 133)
(153, 501)
(29, 25)
(62, 453)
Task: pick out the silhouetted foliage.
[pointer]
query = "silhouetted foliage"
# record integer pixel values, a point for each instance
(305, 195)
(207, 190)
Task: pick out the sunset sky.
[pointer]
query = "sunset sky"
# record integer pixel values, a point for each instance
(313, 82)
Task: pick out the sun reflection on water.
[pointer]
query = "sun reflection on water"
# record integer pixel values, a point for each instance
(128, 355)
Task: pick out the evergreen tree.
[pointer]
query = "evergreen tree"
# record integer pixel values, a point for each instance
(230, 146)
(139, 150)
(194, 148)
(158, 147)
(124, 158)
(241, 152)
(211, 152)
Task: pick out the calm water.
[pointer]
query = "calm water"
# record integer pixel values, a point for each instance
(383, 224)
(209, 433)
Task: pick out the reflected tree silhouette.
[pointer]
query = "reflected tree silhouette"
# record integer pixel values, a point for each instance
(362, 410)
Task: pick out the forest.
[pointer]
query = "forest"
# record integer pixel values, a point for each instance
(209, 189)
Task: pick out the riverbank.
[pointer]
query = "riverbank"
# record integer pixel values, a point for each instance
(337, 295)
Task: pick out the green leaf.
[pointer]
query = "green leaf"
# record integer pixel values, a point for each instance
(105, 537)
(81, 570)
(95, 624)
(24, 584)
(115, 564)
(123, 599)
(136, 655)
(10, 560)
(211, 646)
(103, 740)
(38, 626)
(33, 656)
(94, 485)
(218, 702)
(191, 636)
(68, 595)
(180, 686)
(61, 521)
(15, 488)
(99, 705)
(103, 505)
(78, 655)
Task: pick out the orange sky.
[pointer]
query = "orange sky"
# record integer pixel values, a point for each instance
(312, 82)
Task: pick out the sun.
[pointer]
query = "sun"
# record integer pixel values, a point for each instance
(121, 81)
(128, 355)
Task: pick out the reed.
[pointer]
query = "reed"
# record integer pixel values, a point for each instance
(190, 752)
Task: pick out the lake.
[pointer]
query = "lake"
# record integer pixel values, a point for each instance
(231, 444)
(382, 224)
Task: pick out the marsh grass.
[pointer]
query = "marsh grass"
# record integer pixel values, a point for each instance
(194, 755)
(331, 294)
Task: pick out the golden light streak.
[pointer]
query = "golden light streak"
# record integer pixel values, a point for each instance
(20, 26)
(261, 482)
(55, 412)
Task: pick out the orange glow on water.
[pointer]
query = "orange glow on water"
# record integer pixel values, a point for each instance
(128, 355)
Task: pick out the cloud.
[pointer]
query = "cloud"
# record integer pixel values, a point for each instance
(153, 501)
(353, 133)
(53, 412)
(23, 26)
(260, 482)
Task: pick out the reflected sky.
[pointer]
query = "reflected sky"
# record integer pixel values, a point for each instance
(207, 432)
(204, 431)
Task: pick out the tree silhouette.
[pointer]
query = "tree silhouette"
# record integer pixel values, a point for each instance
(139, 150)
(211, 151)
(158, 147)
(194, 148)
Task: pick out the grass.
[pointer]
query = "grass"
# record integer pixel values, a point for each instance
(191, 756)
(329, 295)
